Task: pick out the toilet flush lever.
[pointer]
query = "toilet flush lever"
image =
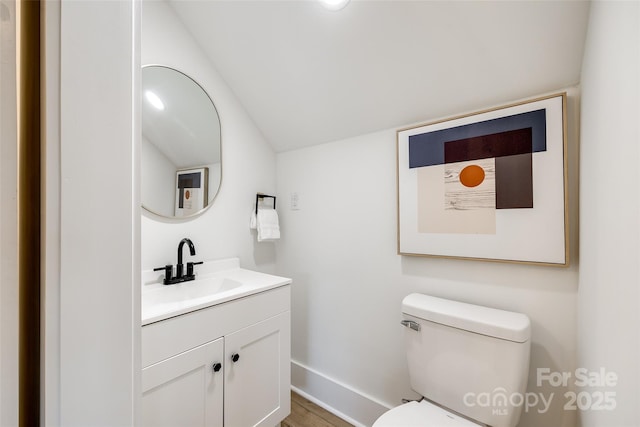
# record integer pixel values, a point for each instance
(411, 324)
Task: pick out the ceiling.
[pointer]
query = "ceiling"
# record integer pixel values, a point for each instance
(307, 75)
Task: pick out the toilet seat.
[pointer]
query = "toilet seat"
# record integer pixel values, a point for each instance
(421, 414)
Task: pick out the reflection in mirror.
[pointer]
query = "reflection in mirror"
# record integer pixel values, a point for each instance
(181, 166)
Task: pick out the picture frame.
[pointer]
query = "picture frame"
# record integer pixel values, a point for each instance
(192, 191)
(489, 185)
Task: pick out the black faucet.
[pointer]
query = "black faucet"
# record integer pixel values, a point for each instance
(192, 251)
(180, 277)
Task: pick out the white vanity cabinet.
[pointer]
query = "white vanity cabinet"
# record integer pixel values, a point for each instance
(184, 390)
(250, 340)
(255, 386)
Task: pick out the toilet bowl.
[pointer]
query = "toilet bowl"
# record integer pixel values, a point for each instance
(455, 353)
(422, 414)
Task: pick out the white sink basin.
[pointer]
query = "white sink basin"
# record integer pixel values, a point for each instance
(216, 282)
(195, 289)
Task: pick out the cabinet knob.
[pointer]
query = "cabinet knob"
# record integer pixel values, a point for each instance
(235, 357)
(217, 366)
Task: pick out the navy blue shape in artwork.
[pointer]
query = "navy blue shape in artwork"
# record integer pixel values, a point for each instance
(427, 149)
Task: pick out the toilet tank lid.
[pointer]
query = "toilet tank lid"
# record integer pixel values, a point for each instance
(492, 322)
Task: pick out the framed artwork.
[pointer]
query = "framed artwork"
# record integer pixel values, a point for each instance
(192, 191)
(490, 185)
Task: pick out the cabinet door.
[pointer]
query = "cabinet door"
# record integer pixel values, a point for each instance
(257, 385)
(184, 390)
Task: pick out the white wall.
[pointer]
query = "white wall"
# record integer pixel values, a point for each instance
(340, 250)
(248, 162)
(92, 208)
(8, 218)
(50, 291)
(609, 298)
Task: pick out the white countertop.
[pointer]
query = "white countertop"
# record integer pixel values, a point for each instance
(224, 278)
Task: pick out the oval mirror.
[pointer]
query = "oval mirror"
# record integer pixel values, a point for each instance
(181, 166)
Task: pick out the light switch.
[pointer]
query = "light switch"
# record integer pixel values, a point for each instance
(295, 201)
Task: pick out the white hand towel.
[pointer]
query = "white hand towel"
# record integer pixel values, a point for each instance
(267, 225)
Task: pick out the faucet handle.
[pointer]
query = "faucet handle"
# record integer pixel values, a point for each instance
(168, 272)
(190, 267)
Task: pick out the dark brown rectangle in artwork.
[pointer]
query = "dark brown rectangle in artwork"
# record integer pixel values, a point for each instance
(514, 182)
(500, 144)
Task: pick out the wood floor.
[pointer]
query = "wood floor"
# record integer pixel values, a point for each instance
(308, 414)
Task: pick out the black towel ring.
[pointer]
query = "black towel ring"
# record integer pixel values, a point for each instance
(262, 196)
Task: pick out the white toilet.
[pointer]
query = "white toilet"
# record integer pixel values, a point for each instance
(470, 363)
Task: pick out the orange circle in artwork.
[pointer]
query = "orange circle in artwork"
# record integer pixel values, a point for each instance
(472, 176)
(187, 194)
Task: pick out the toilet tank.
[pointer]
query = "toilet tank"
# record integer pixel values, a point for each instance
(471, 359)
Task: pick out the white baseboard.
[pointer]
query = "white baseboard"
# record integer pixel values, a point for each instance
(340, 399)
